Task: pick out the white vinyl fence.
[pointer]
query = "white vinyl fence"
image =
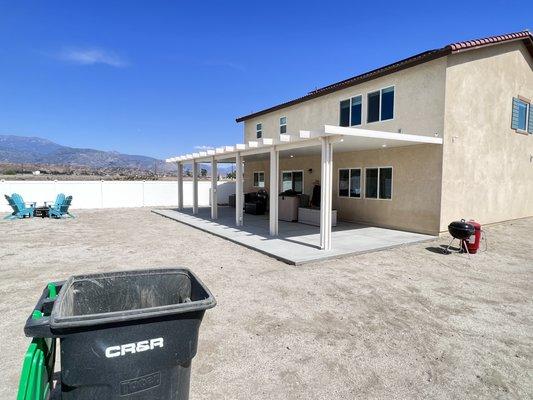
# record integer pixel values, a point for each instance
(113, 194)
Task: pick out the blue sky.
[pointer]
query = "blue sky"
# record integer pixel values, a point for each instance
(161, 77)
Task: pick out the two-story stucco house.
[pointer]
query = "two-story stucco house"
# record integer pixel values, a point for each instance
(438, 136)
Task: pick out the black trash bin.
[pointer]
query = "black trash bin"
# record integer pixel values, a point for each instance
(125, 335)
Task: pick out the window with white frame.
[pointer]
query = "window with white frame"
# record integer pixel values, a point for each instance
(380, 105)
(259, 130)
(350, 182)
(292, 180)
(283, 125)
(350, 111)
(259, 179)
(522, 117)
(378, 183)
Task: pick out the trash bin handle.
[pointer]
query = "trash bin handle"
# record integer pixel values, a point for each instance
(38, 323)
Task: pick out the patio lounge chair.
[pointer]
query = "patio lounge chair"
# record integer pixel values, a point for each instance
(59, 210)
(60, 199)
(20, 210)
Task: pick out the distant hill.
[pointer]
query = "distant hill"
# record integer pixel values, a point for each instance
(23, 149)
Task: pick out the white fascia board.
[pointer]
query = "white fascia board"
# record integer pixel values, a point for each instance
(189, 156)
(228, 148)
(202, 153)
(211, 152)
(240, 146)
(284, 138)
(195, 155)
(310, 134)
(219, 150)
(267, 141)
(367, 133)
(253, 144)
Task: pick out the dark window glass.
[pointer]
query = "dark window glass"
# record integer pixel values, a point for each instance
(387, 103)
(385, 183)
(283, 125)
(259, 179)
(297, 181)
(356, 110)
(522, 115)
(344, 182)
(256, 179)
(373, 107)
(345, 113)
(371, 183)
(355, 183)
(259, 130)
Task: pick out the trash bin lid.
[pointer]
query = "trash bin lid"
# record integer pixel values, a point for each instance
(94, 299)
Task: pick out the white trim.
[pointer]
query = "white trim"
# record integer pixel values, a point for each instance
(253, 179)
(359, 132)
(361, 186)
(377, 191)
(292, 183)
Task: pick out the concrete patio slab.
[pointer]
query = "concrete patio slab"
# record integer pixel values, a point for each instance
(297, 243)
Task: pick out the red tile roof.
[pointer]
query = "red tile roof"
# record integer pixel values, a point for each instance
(426, 56)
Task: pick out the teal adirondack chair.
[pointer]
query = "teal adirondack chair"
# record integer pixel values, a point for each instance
(59, 210)
(20, 209)
(60, 199)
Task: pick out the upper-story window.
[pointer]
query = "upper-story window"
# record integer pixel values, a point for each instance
(380, 105)
(283, 125)
(259, 130)
(350, 111)
(522, 118)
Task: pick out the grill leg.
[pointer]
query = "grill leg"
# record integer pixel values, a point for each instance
(447, 250)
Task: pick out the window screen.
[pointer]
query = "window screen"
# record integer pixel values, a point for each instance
(356, 110)
(371, 183)
(344, 182)
(385, 183)
(387, 103)
(373, 107)
(355, 183)
(345, 113)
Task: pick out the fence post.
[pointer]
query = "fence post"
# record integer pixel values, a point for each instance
(101, 193)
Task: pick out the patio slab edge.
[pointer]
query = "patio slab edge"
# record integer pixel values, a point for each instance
(289, 261)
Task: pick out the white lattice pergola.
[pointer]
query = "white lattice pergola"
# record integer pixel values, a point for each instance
(324, 142)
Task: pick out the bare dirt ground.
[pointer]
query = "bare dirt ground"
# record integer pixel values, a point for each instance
(406, 323)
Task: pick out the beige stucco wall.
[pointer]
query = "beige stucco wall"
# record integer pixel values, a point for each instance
(415, 203)
(488, 167)
(418, 108)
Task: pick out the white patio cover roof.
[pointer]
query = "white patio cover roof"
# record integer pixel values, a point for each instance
(308, 143)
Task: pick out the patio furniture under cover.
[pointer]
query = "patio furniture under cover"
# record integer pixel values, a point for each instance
(20, 209)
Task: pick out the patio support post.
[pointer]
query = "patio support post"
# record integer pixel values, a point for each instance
(325, 193)
(274, 190)
(180, 186)
(194, 187)
(238, 190)
(214, 194)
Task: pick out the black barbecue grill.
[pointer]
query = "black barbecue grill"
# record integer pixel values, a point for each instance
(460, 230)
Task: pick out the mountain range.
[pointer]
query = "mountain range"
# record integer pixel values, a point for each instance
(23, 149)
(34, 150)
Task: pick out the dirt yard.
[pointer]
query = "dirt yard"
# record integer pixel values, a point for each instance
(406, 323)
